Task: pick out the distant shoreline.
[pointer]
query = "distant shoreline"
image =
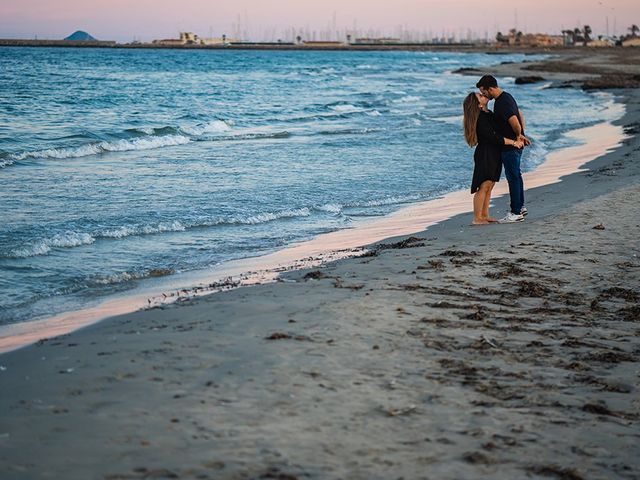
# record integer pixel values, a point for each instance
(448, 47)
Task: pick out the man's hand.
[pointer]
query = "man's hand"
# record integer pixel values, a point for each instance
(518, 144)
(526, 142)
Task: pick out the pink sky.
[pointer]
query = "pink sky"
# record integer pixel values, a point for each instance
(122, 20)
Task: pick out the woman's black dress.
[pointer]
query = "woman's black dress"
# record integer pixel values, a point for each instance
(486, 158)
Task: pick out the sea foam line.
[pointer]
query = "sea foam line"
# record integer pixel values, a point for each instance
(141, 143)
(70, 239)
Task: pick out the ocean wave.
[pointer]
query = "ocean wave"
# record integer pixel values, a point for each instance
(348, 131)
(145, 138)
(451, 120)
(334, 208)
(43, 246)
(391, 200)
(70, 239)
(247, 136)
(140, 143)
(408, 99)
(345, 108)
(130, 230)
(216, 126)
(337, 208)
(5, 162)
(123, 277)
(269, 217)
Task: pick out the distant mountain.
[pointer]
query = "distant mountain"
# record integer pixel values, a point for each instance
(80, 36)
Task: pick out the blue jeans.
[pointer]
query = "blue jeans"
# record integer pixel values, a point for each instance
(511, 162)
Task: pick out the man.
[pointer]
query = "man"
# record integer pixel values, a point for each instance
(511, 124)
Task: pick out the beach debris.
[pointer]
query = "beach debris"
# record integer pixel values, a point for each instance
(598, 227)
(276, 474)
(396, 412)
(458, 253)
(355, 286)
(144, 472)
(619, 292)
(510, 270)
(527, 79)
(477, 457)
(478, 315)
(531, 289)
(632, 128)
(433, 265)
(287, 336)
(630, 314)
(315, 275)
(446, 304)
(410, 242)
(555, 472)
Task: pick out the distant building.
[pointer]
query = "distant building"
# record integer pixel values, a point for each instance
(321, 43)
(377, 41)
(516, 38)
(601, 42)
(631, 42)
(224, 40)
(189, 38)
(168, 42)
(186, 38)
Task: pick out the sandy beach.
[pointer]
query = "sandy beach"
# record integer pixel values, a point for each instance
(500, 352)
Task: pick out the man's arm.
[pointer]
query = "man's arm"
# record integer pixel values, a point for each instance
(525, 140)
(515, 125)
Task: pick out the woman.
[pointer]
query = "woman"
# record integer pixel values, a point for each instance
(480, 131)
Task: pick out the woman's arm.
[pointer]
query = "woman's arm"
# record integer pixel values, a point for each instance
(487, 134)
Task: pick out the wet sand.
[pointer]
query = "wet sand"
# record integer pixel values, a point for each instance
(500, 352)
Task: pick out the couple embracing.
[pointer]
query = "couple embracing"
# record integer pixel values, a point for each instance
(499, 140)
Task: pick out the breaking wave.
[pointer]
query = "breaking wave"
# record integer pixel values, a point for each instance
(140, 143)
(71, 239)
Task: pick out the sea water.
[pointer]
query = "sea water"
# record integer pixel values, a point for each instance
(119, 166)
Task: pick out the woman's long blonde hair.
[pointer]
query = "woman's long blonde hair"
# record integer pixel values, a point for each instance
(470, 111)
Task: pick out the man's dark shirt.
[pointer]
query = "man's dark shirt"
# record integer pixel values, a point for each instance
(504, 108)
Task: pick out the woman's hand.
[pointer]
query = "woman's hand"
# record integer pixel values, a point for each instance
(524, 140)
(518, 144)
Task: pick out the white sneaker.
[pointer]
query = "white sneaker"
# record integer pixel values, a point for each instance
(512, 218)
(524, 212)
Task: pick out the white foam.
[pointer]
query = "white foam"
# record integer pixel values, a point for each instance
(393, 200)
(269, 216)
(129, 230)
(142, 143)
(408, 99)
(6, 163)
(216, 126)
(330, 207)
(345, 108)
(67, 239)
(451, 120)
(374, 113)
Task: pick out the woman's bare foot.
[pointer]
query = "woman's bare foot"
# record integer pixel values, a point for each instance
(480, 221)
(492, 220)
